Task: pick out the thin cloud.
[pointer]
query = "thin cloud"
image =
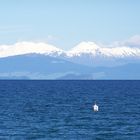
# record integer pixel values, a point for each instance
(133, 41)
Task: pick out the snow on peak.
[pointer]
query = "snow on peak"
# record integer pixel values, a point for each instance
(120, 52)
(90, 48)
(28, 47)
(84, 47)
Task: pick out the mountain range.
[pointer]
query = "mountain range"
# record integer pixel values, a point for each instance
(88, 60)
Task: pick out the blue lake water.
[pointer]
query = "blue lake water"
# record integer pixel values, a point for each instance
(46, 110)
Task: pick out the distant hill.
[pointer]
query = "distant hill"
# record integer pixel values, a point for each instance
(38, 66)
(35, 66)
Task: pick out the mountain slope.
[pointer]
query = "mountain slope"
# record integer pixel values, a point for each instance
(37, 66)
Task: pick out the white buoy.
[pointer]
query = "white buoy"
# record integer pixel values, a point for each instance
(95, 107)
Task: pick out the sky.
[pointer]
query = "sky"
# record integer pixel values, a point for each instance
(65, 23)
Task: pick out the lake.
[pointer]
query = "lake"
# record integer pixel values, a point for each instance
(45, 110)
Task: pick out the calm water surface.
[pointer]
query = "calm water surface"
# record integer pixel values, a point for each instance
(46, 110)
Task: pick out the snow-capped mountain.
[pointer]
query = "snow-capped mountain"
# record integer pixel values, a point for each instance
(87, 53)
(95, 50)
(84, 48)
(88, 48)
(85, 61)
(21, 48)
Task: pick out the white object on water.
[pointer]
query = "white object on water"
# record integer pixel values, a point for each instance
(95, 107)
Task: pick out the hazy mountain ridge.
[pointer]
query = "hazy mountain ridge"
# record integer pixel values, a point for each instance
(37, 66)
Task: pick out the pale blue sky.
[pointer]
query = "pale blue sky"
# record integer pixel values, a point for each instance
(65, 23)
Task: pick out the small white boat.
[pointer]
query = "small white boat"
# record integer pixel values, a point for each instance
(95, 107)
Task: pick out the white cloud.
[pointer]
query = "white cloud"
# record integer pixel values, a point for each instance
(133, 41)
